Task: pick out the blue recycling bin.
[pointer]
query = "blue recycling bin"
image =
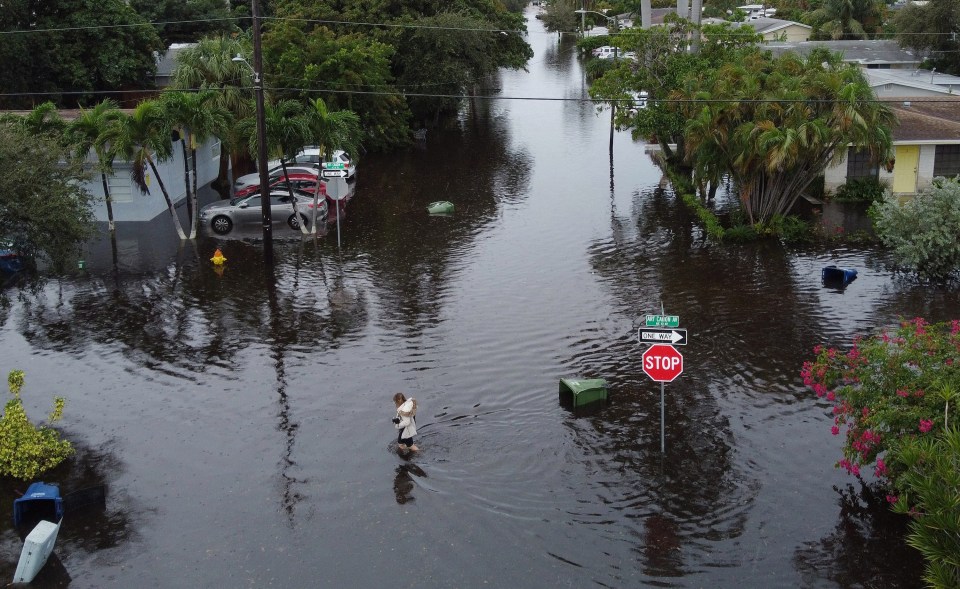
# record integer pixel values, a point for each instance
(42, 501)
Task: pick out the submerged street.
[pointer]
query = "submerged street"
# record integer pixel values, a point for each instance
(244, 431)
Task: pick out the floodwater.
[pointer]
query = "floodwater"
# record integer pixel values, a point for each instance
(243, 430)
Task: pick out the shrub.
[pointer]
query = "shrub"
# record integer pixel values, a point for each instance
(791, 228)
(862, 190)
(27, 450)
(893, 394)
(923, 230)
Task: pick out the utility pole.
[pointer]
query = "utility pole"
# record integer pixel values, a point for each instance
(262, 138)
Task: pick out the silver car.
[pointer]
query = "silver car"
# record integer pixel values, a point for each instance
(223, 215)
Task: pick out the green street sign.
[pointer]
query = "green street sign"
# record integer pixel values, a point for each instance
(333, 165)
(663, 321)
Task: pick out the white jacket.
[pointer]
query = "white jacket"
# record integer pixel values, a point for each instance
(408, 422)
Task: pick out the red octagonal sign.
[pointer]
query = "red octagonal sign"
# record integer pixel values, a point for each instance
(662, 363)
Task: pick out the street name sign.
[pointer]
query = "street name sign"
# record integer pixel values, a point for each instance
(663, 321)
(662, 363)
(652, 335)
(333, 165)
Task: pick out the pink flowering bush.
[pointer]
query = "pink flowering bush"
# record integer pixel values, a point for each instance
(892, 397)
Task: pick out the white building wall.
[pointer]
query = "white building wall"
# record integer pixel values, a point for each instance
(129, 204)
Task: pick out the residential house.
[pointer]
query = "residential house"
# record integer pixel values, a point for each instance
(869, 54)
(926, 144)
(772, 29)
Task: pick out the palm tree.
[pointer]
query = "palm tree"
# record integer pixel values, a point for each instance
(336, 130)
(209, 65)
(143, 139)
(288, 129)
(776, 125)
(44, 119)
(91, 131)
(198, 115)
(846, 19)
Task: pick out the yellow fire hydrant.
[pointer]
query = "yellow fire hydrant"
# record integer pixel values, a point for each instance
(218, 258)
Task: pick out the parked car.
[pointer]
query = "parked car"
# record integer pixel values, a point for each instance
(224, 215)
(639, 101)
(303, 182)
(273, 172)
(605, 52)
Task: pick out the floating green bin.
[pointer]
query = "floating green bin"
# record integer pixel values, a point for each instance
(441, 207)
(583, 390)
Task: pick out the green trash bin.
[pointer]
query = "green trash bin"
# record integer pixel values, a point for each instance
(441, 207)
(583, 390)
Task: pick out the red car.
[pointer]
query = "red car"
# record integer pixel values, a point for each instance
(301, 182)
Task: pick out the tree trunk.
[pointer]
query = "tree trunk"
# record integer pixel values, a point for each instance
(195, 219)
(107, 201)
(186, 180)
(293, 199)
(166, 197)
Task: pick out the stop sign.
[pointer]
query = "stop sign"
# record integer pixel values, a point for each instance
(662, 363)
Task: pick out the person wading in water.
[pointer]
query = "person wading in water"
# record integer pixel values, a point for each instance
(406, 421)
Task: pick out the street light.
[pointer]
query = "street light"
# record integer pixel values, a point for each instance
(257, 68)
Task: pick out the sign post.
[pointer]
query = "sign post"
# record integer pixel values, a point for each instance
(661, 361)
(336, 188)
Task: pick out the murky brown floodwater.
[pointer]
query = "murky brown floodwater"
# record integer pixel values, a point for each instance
(245, 436)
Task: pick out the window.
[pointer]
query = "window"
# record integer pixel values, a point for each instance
(861, 165)
(120, 185)
(946, 161)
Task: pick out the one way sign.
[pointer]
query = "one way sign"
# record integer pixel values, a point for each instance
(675, 336)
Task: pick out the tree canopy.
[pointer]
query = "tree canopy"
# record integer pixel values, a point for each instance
(423, 43)
(82, 57)
(931, 29)
(186, 21)
(44, 209)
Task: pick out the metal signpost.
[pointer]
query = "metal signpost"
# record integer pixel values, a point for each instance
(661, 361)
(337, 188)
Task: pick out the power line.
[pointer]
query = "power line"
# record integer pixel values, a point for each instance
(349, 23)
(499, 97)
(276, 18)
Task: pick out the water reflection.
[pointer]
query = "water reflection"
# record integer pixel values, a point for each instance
(868, 537)
(85, 531)
(403, 483)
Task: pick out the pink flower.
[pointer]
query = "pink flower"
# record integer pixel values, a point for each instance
(831, 396)
(835, 430)
(892, 498)
(926, 425)
(903, 393)
(881, 469)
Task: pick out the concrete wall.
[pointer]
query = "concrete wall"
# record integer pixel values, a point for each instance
(129, 204)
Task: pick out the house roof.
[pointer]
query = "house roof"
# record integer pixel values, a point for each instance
(925, 80)
(168, 61)
(863, 52)
(762, 26)
(927, 120)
